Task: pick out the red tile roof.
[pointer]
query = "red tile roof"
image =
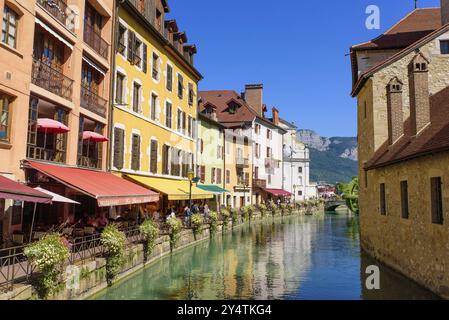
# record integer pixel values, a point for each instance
(416, 25)
(434, 138)
(220, 99)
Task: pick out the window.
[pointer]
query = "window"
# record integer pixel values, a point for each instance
(137, 53)
(404, 199)
(136, 97)
(153, 157)
(256, 173)
(257, 128)
(268, 152)
(4, 117)
(180, 86)
(269, 178)
(300, 193)
(219, 179)
(269, 134)
(119, 147)
(191, 94)
(213, 175)
(135, 153)
(203, 174)
(228, 176)
(184, 122)
(444, 46)
(153, 106)
(383, 204)
(257, 150)
(169, 78)
(155, 72)
(165, 160)
(9, 27)
(437, 200)
(299, 169)
(121, 47)
(168, 114)
(119, 89)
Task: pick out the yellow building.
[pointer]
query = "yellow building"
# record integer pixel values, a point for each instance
(155, 107)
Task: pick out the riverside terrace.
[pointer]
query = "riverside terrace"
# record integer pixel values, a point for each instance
(16, 270)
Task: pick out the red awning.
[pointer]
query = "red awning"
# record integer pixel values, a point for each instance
(10, 189)
(279, 192)
(108, 189)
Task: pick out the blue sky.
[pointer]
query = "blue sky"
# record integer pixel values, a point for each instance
(296, 48)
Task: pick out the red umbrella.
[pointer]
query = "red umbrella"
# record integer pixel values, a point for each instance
(51, 126)
(93, 136)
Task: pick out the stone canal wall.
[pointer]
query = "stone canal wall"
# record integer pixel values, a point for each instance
(87, 278)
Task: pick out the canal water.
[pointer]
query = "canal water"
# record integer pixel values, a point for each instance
(294, 258)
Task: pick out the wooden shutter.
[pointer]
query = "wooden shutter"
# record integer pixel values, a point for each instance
(153, 157)
(169, 78)
(203, 173)
(436, 198)
(119, 141)
(404, 199)
(246, 178)
(135, 157)
(131, 42)
(145, 57)
(212, 175)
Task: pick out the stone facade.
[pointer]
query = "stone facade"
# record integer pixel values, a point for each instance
(416, 247)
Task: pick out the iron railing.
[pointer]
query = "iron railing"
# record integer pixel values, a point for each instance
(38, 153)
(51, 79)
(93, 102)
(95, 41)
(14, 267)
(60, 11)
(89, 162)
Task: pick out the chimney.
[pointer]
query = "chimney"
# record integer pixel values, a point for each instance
(394, 109)
(419, 93)
(275, 113)
(444, 12)
(253, 96)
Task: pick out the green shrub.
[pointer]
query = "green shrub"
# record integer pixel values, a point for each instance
(284, 208)
(263, 209)
(273, 208)
(251, 211)
(175, 227)
(150, 232)
(48, 255)
(235, 216)
(225, 215)
(245, 213)
(197, 223)
(114, 242)
(213, 221)
(290, 208)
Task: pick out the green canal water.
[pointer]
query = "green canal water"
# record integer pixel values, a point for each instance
(291, 258)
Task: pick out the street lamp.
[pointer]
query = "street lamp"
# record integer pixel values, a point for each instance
(192, 180)
(294, 195)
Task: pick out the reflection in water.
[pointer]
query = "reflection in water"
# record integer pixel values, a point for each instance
(295, 258)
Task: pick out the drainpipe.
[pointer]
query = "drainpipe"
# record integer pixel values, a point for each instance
(111, 84)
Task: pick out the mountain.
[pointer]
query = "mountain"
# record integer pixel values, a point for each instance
(331, 159)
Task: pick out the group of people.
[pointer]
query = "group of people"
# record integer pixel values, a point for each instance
(188, 211)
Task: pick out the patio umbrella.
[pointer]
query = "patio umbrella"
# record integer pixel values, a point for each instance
(47, 125)
(93, 136)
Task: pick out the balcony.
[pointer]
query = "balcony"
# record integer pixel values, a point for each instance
(93, 102)
(259, 183)
(45, 154)
(89, 162)
(242, 162)
(60, 11)
(95, 41)
(51, 80)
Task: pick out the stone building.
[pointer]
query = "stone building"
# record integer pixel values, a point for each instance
(402, 85)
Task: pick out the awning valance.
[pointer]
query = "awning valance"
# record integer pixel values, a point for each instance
(53, 33)
(212, 188)
(108, 189)
(279, 192)
(174, 189)
(10, 189)
(94, 65)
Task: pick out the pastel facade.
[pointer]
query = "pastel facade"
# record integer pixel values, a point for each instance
(56, 63)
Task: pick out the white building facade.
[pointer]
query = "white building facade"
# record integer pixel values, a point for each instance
(296, 165)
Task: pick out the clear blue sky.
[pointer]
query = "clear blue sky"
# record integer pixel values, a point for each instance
(296, 48)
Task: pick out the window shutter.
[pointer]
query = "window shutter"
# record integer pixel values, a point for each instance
(119, 139)
(153, 158)
(131, 42)
(135, 158)
(169, 78)
(145, 55)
